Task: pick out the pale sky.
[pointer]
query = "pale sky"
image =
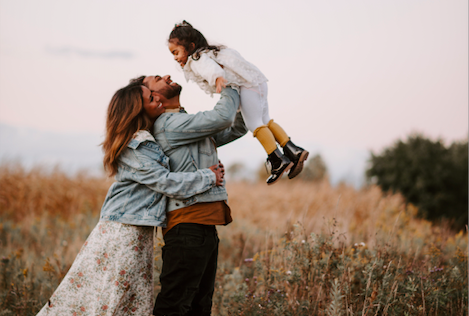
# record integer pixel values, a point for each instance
(345, 73)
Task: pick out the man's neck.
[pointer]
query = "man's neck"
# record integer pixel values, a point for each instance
(172, 103)
(176, 110)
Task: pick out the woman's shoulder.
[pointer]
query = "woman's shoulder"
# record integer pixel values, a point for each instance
(143, 135)
(141, 151)
(143, 143)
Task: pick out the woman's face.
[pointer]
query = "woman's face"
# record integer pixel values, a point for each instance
(152, 105)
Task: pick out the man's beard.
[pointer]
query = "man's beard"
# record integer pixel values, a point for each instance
(170, 91)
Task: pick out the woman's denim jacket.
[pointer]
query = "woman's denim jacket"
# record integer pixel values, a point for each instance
(143, 183)
(190, 141)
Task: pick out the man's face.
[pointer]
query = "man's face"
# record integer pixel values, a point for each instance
(163, 85)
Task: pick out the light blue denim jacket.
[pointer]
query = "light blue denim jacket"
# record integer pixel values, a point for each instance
(190, 141)
(144, 184)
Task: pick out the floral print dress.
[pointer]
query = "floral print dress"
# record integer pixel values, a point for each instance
(111, 275)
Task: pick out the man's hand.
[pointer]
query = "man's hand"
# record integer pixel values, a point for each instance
(220, 83)
(219, 173)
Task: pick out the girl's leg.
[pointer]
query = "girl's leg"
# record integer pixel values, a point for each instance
(255, 113)
(296, 154)
(279, 134)
(266, 138)
(252, 108)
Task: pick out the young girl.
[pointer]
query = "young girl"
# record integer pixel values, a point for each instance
(215, 67)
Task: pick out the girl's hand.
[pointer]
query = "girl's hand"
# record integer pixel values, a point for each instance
(220, 83)
(219, 173)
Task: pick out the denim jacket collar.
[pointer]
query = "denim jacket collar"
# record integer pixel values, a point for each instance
(140, 137)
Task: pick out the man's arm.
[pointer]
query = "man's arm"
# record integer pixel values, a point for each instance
(181, 129)
(235, 131)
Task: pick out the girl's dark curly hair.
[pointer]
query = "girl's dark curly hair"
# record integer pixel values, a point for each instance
(184, 34)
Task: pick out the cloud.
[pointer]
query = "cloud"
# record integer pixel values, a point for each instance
(87, 53)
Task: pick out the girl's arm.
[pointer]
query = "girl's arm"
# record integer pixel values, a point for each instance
(208, 69)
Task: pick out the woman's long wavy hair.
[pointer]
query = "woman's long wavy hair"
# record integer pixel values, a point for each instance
(125, 116)
(184, 34)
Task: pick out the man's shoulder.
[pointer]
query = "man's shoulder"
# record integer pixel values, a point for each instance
(169, 121)
(170, 117)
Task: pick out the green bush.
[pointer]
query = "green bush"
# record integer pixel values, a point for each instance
(428, 174)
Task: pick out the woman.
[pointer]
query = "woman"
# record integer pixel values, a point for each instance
(113, 272)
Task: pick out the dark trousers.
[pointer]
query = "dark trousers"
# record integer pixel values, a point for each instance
(189, 267)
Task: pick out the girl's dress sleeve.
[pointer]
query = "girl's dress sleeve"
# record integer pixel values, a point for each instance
(207, 68)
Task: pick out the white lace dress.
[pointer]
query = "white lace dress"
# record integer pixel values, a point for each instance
(111, 275)
(227, 63)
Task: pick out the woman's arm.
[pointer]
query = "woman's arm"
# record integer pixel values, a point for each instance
(179, 185)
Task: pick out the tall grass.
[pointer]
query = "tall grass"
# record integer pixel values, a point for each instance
(295, 248)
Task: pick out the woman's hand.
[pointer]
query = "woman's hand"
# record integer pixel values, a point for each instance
(219, 173)
(222, 167)
(220, 83)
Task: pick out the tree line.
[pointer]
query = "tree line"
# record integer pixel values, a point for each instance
(428, 174)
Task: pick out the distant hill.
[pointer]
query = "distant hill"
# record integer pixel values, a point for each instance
(77, 151)
(70, 151)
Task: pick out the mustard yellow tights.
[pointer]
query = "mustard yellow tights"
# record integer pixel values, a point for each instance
(269, 135)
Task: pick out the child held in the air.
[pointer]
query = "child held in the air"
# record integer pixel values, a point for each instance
(215, 67)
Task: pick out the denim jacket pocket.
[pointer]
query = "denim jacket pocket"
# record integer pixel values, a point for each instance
(157, 208)
(116, 200)
(206, 147)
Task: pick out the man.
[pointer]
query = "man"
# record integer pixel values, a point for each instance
(191, 242)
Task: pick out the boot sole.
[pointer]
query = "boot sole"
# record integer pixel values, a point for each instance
(299, 166)
(286, 169)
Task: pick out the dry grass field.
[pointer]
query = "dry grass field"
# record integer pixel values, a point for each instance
(295, 248)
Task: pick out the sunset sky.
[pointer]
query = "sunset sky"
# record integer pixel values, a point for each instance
(342, 74)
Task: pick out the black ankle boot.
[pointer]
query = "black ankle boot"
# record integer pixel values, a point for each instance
(280, 164)
(297, 155)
